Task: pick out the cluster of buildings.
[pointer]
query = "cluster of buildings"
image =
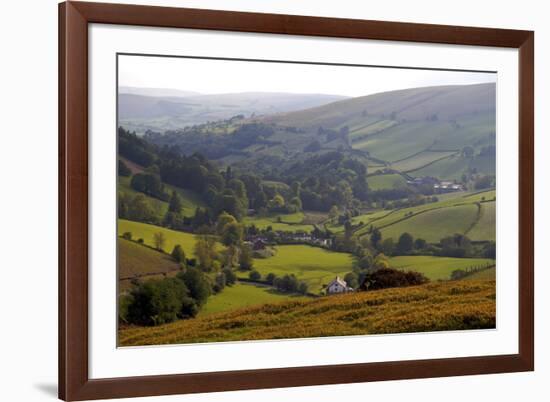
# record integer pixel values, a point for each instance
(258, 242)
(438, 186)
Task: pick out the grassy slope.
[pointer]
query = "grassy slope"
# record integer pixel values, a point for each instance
(485, 228)
(436, 268)
(417, 223)
(435, 224)
(314, 265)
(242, 295)
(386, 181)
(135, 260)
(146, 232)
(433, 307)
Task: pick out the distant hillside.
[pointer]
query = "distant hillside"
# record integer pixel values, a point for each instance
(416, 104)
(140, 110)
(443, 131)
(461, 305)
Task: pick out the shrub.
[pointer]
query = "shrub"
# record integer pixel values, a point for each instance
(391, 278)
(255, 275)
(197, 283)
(270, 278)
(230, 277)
(123, 170)
(127, 235)
(178, 254)
(157, 302)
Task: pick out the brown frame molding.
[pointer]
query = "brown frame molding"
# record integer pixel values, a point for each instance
(74, 17)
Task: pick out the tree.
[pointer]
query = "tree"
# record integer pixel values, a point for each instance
(178, 254)
(223, 219)
(123, 170)
(232, 234)
(175, 205)
(149, 184)
(490, 250)
(197, 283)
(245, 258)
(230, 276)
(277, 203)
(387, 246)
(375, 238)
(219, 282)
(381, 262)
(405, 243)
(365, 262)
(420, 244)
(270, 278)
(352, 279)
(159, 240)
(255, 275)
(158, 302)
(205, 251)
(302, 288)
(333, 212)
(456, 245)
(391, 278)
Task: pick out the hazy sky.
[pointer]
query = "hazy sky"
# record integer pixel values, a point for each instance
(228, 76)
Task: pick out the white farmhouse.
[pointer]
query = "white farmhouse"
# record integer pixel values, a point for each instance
(338, 286)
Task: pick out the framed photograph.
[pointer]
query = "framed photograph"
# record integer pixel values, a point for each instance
(259, 201)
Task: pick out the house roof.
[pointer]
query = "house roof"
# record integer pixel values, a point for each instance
(339, 281)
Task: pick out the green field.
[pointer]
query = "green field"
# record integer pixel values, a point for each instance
(242, 295)
(453, 213)
(138, 261)
(436, 268)
(190, 200)
(386, 181)
(434, 224)
(485, 228)
(146, 232)
(314, 265)
(284, 222)
(420, 160)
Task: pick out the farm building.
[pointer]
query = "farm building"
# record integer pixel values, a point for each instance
(338, 286)
(448, 186)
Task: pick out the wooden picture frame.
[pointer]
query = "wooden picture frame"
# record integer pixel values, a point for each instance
(74, 381)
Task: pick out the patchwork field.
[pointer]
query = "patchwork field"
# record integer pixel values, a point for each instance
(437, 268)
(242, 295)
(316, 266)
(146, 232)
(453, 213)
(457, 305)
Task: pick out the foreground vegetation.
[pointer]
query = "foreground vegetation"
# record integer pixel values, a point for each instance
(441, 306)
